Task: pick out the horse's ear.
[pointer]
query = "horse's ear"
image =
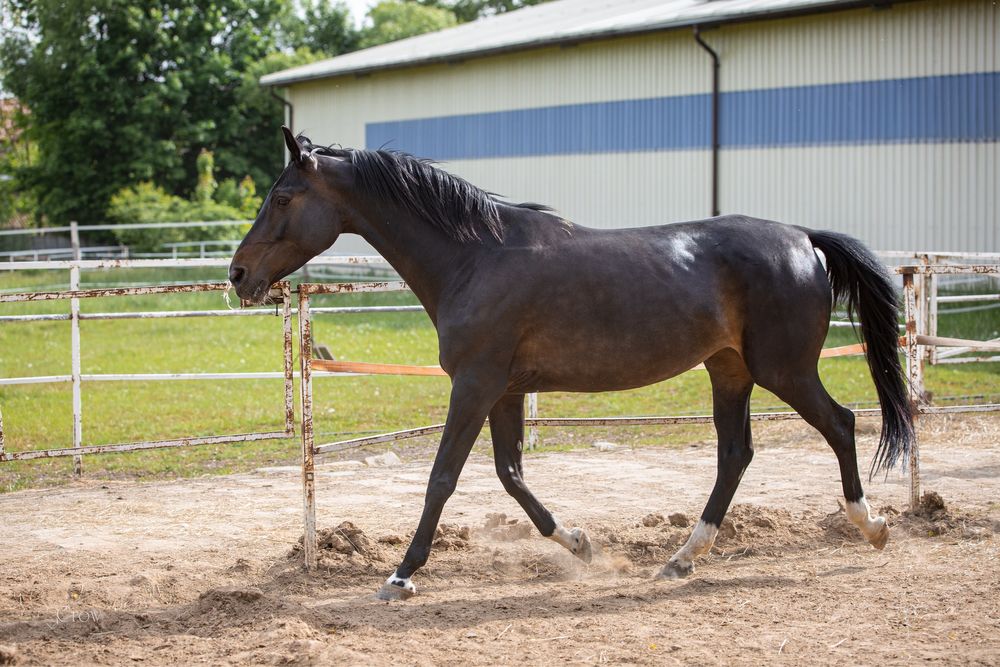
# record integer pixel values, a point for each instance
(299, 153)
(294, 148)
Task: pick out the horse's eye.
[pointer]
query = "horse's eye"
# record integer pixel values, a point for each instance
(282, 201)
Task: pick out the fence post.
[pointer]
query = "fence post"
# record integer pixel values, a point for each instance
(924, 309)
(915, 377)
(308, 454)
(74, 316)
(532, 414)
(1, 432)
(286, 329)
(932, 310)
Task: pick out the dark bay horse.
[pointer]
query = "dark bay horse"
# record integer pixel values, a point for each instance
(524, 301)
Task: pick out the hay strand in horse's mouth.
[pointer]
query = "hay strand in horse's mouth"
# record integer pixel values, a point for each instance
(225, 295)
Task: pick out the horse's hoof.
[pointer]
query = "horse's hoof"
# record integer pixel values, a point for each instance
(396, 589)
(879, 539)
(674, 570)
(582, 549)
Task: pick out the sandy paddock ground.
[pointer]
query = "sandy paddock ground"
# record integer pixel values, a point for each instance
(204, 571)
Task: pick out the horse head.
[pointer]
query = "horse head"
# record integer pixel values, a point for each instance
(301, 217)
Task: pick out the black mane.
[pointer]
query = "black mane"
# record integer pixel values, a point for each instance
(460, 209)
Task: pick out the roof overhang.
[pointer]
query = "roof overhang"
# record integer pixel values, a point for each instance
(473, 40)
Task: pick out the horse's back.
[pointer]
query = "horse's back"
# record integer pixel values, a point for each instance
(598, 310)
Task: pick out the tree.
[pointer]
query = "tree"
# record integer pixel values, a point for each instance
(121, 92)
(146, 202)
(392, 20)
(128, 91)
(16, 205)
(321, 26)
(470, 10)
(250, 144)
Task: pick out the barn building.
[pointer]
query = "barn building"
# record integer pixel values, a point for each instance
(880, 119)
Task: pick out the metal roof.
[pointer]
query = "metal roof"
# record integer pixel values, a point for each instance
(550, 23)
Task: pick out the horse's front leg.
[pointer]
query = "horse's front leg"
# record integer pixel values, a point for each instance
(472, 396)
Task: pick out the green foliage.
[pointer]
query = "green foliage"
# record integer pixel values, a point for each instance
(228, 193)
(16, 154)
(206, 186)
(470, 10)
(144, 203)
(240, 196)
(122, 92)
(147, 202)
(249, 202)
(392, 20)
(321, 26)
(251, 142)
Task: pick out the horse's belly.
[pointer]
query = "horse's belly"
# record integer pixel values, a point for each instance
(611, 366)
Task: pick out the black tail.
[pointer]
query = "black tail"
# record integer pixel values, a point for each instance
(860, 279)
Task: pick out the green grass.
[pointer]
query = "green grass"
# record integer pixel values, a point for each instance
(39, 416)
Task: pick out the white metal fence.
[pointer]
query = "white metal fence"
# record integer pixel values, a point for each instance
(919, 299)
(75, 317)
(77, 378)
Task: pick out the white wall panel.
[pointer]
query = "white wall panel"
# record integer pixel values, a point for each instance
(898, 197)
(607, 191)
(909, 39)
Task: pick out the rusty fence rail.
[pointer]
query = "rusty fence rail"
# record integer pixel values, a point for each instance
(950, 266)
(919, 336)
(916, 340)
(75, 316)
(280, 292)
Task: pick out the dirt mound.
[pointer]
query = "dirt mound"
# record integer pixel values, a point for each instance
(931, 506)
(299, 652)
(229, 599)
(344, 540)
(499, 528)
(344, 553)
(522, 562)
(8, 655)
(646, 543)
(677, 519)
(755, 530)
(837, 528)
(450, 536)
(932, 517)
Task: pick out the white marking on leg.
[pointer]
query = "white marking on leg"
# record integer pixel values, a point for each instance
(873, 528)
(575, 541)
(405, 586)
(562, 536)
(701, 540)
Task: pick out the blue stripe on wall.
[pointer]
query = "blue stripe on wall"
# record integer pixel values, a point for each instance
(954, 108)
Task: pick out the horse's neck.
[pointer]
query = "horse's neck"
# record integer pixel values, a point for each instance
(428, 260)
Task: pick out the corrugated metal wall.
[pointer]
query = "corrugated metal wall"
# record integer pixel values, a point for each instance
(901, 151)
(911, 193)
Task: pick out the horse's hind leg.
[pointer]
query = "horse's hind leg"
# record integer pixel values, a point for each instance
(807, 396)
(507, 429)
(731, 387)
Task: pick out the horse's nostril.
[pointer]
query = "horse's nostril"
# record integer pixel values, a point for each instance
(236, 274)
